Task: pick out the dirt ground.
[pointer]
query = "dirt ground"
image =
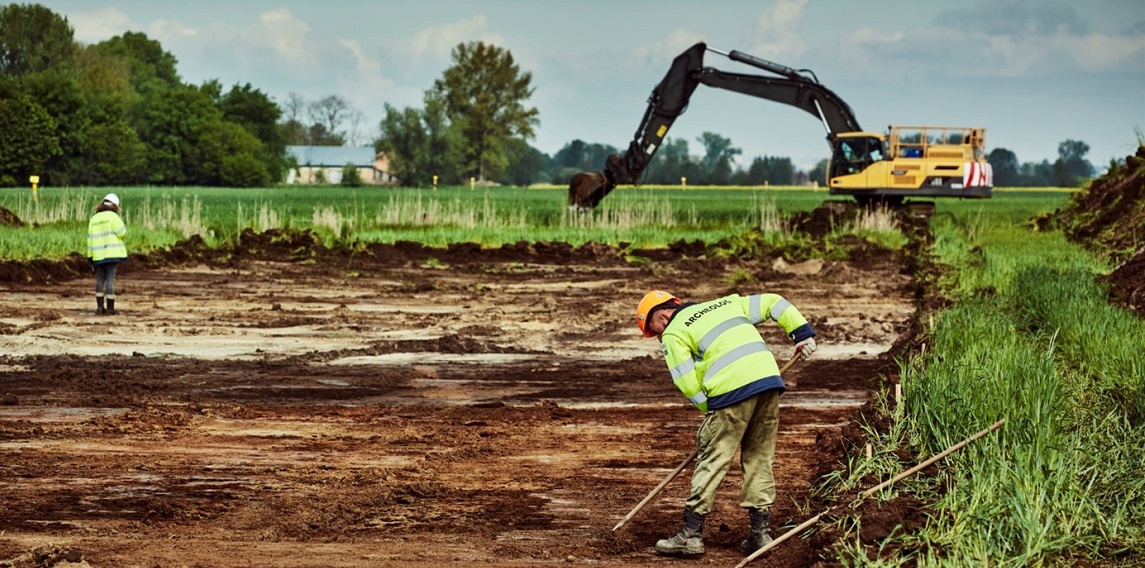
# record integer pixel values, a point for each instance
(397, 406)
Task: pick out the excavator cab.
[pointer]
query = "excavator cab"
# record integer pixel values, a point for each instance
(852, 154)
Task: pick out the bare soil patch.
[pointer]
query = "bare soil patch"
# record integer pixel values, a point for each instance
(281, 404)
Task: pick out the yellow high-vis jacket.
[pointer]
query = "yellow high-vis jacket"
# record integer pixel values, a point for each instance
(105, 233)
(715, 354)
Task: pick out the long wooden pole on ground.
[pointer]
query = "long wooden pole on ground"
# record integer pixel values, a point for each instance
(871, 491)
(681, 467)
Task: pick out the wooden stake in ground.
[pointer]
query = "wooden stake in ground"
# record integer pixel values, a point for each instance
(681, 467)
(871, 491)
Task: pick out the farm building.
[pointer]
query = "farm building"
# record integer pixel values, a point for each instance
(323, 164)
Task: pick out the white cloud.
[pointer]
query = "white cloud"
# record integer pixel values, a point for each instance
(368, 80)
(437, 43)
(975, 53)
(286, 36)
(776, 33)
(663, 52)
(170, 31)
(96, 26)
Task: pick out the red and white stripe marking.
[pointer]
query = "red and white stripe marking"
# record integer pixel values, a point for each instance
(975, 174)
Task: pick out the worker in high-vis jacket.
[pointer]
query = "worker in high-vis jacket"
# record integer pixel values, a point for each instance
(106, 250)
(721, 363)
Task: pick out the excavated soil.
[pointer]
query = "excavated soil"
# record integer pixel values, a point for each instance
(281, 404)
(1108, 217)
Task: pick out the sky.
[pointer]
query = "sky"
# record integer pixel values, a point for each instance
(1033, 73)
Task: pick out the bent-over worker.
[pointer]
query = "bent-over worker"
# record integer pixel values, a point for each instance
(720, 362)
(106, 250)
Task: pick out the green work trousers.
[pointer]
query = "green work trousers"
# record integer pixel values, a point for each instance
(751, 427)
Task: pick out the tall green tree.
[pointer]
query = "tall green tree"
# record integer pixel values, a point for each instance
(583, 156)
(485, 93)
(27, 139)
(1038, 174)
(672, 162)
(780, 171)
(527, 165)
(403, 139)
(34, 39)
(757, 172)
(151, 70)
(718, 158)
(818, 174)
(59, 92)
(190, 142)
(169, 127)
(445, 143)
(1071, 165)
(258, 114)
(421, 143)
(1004, 163)
(112, 154)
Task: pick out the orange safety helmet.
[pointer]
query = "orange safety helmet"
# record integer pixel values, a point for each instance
(651, 301)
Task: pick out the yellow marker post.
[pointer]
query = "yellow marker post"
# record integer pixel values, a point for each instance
(683, 182)
(435, 183)
(472, 183)
(35, 182)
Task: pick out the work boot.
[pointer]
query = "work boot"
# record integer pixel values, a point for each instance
(99, 305)
(688, 542)
(111, 307)
(760, 534)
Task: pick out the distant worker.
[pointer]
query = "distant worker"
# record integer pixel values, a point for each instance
(106, 250)
(721, 363)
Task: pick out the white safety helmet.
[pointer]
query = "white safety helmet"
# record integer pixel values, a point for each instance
(112, 199)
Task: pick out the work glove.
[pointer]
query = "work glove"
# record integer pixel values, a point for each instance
(805, 348)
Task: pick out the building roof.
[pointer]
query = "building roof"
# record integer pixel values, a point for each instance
(362, 156)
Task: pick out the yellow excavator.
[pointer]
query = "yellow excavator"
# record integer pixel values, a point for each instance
(904, 161)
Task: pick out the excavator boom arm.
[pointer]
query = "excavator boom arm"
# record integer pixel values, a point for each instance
(669, 99)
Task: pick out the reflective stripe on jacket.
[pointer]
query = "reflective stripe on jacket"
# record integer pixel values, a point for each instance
(105, 233)
(716, 355)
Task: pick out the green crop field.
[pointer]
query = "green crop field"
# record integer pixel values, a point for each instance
(56, 219)
(646, 217)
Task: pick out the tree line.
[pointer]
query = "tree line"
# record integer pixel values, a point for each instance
(118, 113)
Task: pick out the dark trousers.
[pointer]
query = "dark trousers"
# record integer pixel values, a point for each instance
(105, 280)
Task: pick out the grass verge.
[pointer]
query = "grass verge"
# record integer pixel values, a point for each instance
(1030, 337)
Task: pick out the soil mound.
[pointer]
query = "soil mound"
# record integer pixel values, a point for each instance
(1109, 215)
(9, 219)
(1127, 284)
(1108, 218)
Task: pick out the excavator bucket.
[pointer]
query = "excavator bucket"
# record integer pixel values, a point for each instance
(587, 189)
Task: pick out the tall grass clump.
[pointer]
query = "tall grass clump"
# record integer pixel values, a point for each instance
(1032, 339)
(878, 225)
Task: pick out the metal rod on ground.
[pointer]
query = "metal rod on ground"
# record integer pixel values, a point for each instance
(681, 467)
(871, 491)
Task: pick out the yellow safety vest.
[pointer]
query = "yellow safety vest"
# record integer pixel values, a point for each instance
(105, 233)
(715, 354)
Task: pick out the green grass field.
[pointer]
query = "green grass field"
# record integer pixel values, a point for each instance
(1032, 339)
(644, 217)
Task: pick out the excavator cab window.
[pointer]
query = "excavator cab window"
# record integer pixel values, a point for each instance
(853, 155)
